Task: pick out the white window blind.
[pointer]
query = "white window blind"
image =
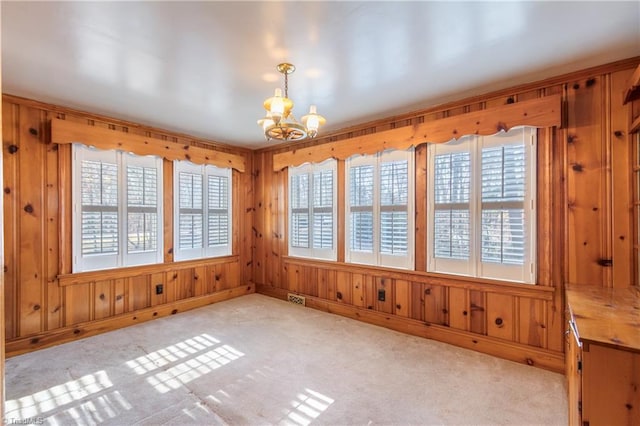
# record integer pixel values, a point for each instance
(482, 206)
(379, 211)
(312, 210)
(203, 211)
(116, 214)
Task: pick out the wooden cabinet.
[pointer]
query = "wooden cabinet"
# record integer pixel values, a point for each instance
(603, 356)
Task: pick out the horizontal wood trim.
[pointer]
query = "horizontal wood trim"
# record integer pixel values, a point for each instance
(548, 360)
(539, 112)
(66, 132)
(471, 283)
(136, 271)
(68, 334)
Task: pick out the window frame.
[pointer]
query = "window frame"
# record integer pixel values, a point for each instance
(474, 266)
(376, 257)
(311, 252)
(205, 251)
(122, 258)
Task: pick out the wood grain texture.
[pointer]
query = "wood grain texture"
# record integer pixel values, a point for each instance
(586, 183)
(621, 181)
(67, 132)
(540, 112)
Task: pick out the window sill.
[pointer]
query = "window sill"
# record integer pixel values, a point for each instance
(134, 271)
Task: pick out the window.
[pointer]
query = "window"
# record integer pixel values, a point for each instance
(481, 198)
(379, 211)
(202, 205)
(117, 213)
(312, 210)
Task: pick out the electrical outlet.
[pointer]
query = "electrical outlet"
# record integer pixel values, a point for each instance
(159, 288)
(381, 295)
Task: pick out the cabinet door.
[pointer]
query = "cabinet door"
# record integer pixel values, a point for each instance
(610, 386)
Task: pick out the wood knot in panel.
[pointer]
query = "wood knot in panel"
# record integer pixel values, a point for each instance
(12, 149)
(499, 322)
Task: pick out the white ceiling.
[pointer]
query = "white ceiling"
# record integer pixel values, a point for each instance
(204, 68)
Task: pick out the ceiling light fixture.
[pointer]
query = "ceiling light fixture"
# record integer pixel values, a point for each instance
(280, 123)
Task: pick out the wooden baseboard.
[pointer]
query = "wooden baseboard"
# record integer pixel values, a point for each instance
(68, 334)
(548, 360)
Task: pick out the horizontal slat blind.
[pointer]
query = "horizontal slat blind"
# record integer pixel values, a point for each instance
(503, 192)
(394, 194)
(361, 208)
(142, 209)
(300, 210)
(99, 195)
(323, 209)
(190, 211)
(452, 187)
(218, 225)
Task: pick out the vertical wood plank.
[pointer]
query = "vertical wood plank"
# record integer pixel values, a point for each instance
(416, 299)
(436, 306)
(200, 280)
(103, 299)
(478, 312)
(139, 292)
(185, 287)
(402, 304)
(500, 318)
(421, 208)
(458, 308)
(247, 193)
(10, 120)
(259, 220)
(342, 232)
(532, 327)
(167, 207)
(77, 303)
(343, 287)
(585, 183)
(323, 284)
(369, 292)
(621, 181)
(233, 275)
(31, 247)
(294, 278)
(120, 302)
(357, 285)
(172, 280)
(66, 207)
(269, 212)
(53, 318)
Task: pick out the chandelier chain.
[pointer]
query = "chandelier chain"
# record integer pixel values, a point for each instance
(286, 85)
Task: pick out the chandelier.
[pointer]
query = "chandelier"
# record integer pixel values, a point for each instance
(280, 123)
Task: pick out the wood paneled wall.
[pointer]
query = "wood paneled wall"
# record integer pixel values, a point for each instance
(46, 304)
(585, 230)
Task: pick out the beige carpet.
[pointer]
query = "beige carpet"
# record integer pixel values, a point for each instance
(256, 360)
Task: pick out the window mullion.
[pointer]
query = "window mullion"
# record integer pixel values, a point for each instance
(122, 209)
(475, 204)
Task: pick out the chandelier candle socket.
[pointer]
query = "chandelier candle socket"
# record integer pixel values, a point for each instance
(280, 123)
